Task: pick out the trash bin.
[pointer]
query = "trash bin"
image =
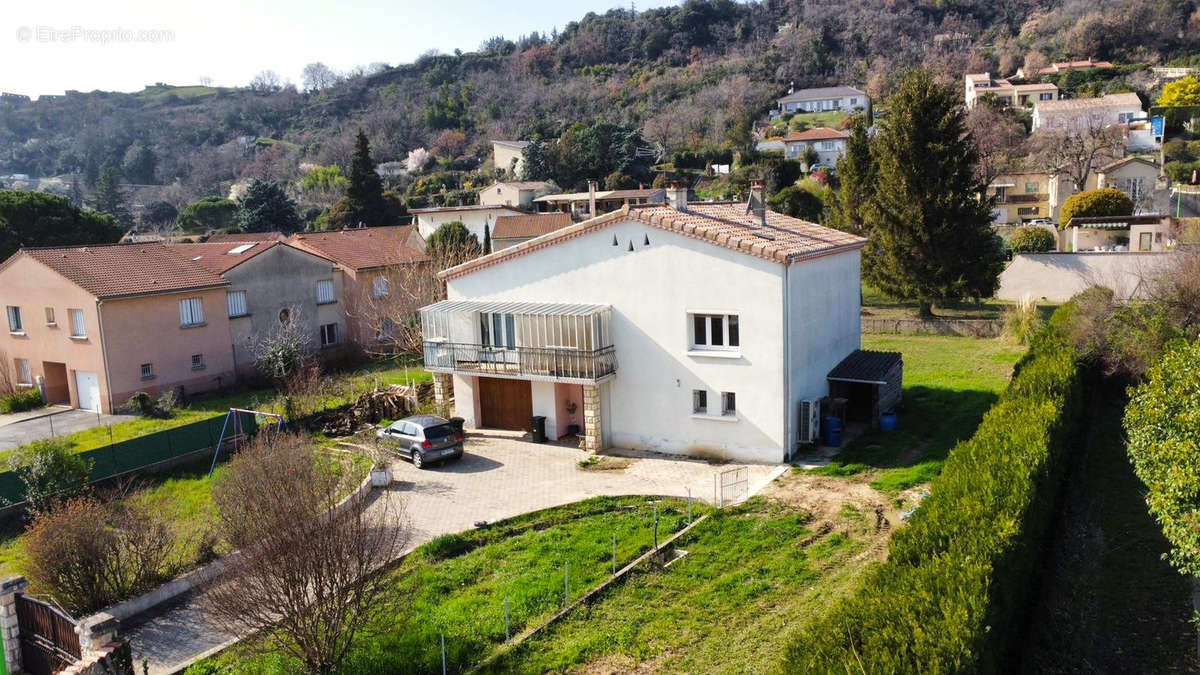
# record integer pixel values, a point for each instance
(888, 421)
(833, 432)
(537, 428)
(457, 423)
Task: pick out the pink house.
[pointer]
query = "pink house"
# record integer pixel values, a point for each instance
(92, 325)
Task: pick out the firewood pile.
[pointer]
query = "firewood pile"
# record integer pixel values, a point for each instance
(389, 403)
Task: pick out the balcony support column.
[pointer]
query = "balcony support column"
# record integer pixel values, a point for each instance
(443, 389)
(592, 433)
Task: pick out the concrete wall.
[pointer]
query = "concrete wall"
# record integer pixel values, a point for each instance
(473, 219)
(282, 278)
(652, 289)
(33, 287)
(508, 158)
(1056, 277)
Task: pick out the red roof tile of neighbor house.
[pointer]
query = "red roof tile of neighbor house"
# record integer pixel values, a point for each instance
(783, 239)
(526, 227)
(815, 134)
(119, 270)
(363, 248)
(222, 256)
(247, 236)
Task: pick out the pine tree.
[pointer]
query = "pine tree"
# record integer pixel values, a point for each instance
(487, 239)
(364, 196)
(109, 198)
(930, 236)
(856, 178)
(266, 207)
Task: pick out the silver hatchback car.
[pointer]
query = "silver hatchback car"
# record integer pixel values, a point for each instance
(424, 439)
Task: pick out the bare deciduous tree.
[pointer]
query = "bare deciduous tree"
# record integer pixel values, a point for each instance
(286, 349)
(306, 576)
(998, 137)
(266, 81)
(1077, 149)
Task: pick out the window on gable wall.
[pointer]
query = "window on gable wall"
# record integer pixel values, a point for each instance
(715, 332)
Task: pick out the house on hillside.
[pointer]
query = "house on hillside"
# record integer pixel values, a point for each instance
(702, 329)
(1022, 196)
(474, 217)
(371, 260)
(1005, 92)
(271, 284)
(509, 156)
(513, 230)
(515, 194)
(824, 99)
(1135, 176)
(830, 144)
(581, 205)
(1082, 113)
(92, 325)
(1064, 66)
(1150, 233)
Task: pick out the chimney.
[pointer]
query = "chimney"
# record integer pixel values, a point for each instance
(758, 201)
(591, 199)
(677, 196)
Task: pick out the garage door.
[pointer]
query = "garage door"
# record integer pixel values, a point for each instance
(505, 404)
(87, 385)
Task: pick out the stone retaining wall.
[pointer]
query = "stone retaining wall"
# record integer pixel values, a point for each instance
(964, 327)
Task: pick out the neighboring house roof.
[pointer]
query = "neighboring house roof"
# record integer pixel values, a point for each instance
(815, 134)
(1127, 160)
(522, 185)
(363, 248)
(640, 193)
(527, 227)
(866, 366)
(573, 196)
(516, 145)
(469, 207)
(1115, 222)
(119, 270)
(821, 93)
(247, 236)
(784, 239)
(1071, 104)
(222, 256)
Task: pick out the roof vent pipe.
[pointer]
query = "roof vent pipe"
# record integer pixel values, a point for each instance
(758, 201)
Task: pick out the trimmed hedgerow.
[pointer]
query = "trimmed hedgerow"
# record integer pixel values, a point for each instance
(954, 591)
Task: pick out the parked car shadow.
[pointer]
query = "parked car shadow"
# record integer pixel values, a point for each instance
(469, 463)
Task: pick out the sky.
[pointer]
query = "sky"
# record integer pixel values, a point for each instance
(49, 46)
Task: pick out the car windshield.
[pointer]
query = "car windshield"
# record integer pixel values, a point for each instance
(440, 431)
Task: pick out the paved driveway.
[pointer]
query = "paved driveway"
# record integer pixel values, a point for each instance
(56, 424)
(500, 476)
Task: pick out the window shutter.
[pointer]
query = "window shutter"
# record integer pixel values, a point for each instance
(237, 302)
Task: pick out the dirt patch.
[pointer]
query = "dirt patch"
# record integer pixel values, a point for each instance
(620, 664)
(839, 504)
(602, 463)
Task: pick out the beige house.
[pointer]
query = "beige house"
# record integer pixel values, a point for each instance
(1134, 176)
(1033, 195)
(1022, 197)
(1005, 92)
(1082, 113)
(92, 325)
(509, 156)
(597, 202)
(1151, 233)
(517, 194)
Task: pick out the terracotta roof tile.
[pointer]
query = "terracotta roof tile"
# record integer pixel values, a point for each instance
(1126, 99)
(247, 236)
(783, 239)
(222, 256)
(815, 134)
(362, 248)
(125, 269)
(526, 227)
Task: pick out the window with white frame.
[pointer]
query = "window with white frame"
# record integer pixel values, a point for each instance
(24, 374)
(191, 312)
(728, 403)
(329, 334)
(699, 402)
(827, 145)
(197, 362)
(380, 286)
(715, 332)
(147, 371)
(236, 302)
(325, 291)
(15, 324)
(50, 317)
(78, 324)
(1046, 96)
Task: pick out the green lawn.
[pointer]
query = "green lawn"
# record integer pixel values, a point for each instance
(456, 585)
(949, 383)
(752, 576)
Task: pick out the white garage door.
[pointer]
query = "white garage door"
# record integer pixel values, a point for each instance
(88, 386)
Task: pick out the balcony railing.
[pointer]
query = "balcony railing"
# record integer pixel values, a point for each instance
(550, 363)
(1026, 198)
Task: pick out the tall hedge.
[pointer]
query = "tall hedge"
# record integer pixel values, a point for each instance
(954, 592)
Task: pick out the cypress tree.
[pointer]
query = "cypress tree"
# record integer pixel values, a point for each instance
(930, 236)
(856, 178)
(487, 239)
(110, 199)
(364, 196)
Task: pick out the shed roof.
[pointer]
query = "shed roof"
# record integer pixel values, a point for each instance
(866, 366)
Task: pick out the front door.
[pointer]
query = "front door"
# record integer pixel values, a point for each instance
(87, 387)
(505, 404)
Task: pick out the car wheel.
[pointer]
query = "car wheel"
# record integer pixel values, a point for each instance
(418, 459)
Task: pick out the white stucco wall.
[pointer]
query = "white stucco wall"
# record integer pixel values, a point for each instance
(1056, 277)
(474, 219)
(651, 290)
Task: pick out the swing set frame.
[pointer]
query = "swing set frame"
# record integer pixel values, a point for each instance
(238, 433)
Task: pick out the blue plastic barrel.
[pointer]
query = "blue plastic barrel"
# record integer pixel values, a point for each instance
(888, 421)
(833, 432)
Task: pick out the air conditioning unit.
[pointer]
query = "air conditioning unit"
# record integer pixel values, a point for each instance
(810, 421)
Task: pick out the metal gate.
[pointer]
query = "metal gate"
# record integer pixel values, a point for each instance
(48, 639)
(731, 486)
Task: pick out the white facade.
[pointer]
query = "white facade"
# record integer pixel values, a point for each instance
(473, 217)
(796, 322)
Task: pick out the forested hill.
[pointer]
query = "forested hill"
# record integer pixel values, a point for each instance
(688, 76)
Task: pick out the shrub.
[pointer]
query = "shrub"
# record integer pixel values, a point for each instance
(20, 401)
(142, 404)
(1030, 239)
(1022, 322)
(952, 595)
(50, 472)
(1106, 202)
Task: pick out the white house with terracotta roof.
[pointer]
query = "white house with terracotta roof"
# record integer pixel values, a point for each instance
(695, 329)
(475, 217)
(92, 325)
(1081, 113)
(977, 85)
(830, 144)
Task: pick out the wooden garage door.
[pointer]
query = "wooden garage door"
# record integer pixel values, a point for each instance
(505, 404)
